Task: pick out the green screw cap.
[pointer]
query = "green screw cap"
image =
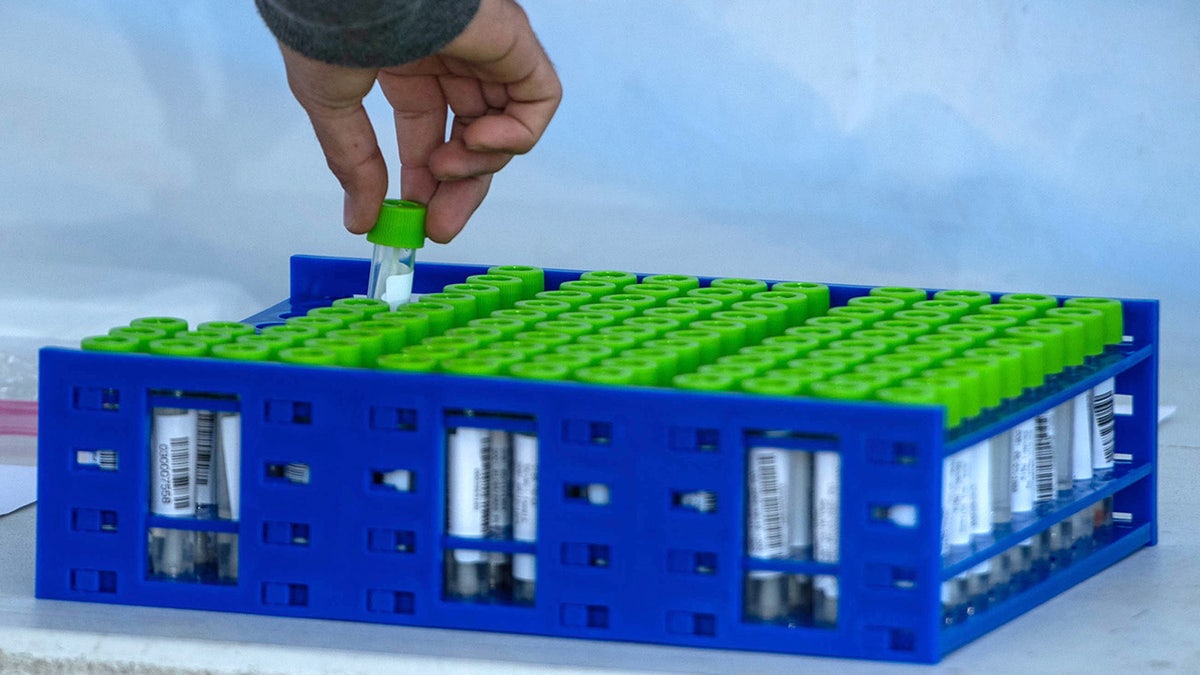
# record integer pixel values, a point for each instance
(307, 356)
(978, 332)
(929, 317)
(368, 306)
(817, 294)
(551, 308)
(549, 338)
(991, 375)
(394, 335)
(948, 391)
(845, 325)
(274, 343)
(613, 375)
(1053, 345)
(1009, 361)
(1093, 325)
(747, 287)
(235, 329)
(177, 347)
(1038, 301)
(886, 304)
(346, 315)
(911, 395)
(823, 334)
(973, 299)
(617, 278)
(710, 382)
(905, 293)
(144, 335)
(1074, 337)
(709, 341)
(1016, 310)
(1114, 321)
(660, 292)
(871, 348)
(533, 279)
(725, 296)
(666, 362)
(169, 324)
(506, 326)
(645, 371)
(540, 371)
(576, 298)
(297, 333)
(868, 315)
(970, 384)
(1033, 359)
(407, 362)
(322, 324)
(997, 321)
(681, 281)
(591, 352)
(441, 316)
(482, 335)
(349, 353)
(704, 307)
(472, 365)
(616, 310)
(511, 288)
(594, 319)
(772, 385)
(954, 309)
(242, 351)
(687, 352)
(487, 296)
(416, 324)
(852, 390)
(594, 288)
(124, 344)
(401, 224)
(464, 304)
(372, 342)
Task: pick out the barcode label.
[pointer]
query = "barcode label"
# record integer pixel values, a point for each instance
(107, 459)
(956, 499)
(827, 498)
(205, 421)
(768, 525)
(499, 483)
(1021, 488)
(181, 484)
(466, 508)
(1103, 441)
(483, 479)
(1043, 458)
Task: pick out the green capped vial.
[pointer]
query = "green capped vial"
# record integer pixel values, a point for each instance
(398, 233)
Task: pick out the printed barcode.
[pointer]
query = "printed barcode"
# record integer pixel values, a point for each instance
(1043, 459)
(297, 473)
(1102, 408)
(107, 459)
(181, 487)
(771, 511)
(484, 495)
(205, 420)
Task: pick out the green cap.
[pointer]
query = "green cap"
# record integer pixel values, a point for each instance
(616, 310)
(617, 278)
(533, 279)
(368, 306)
(970, 384)
(757, 324)
(779, 353)
(1074, 337)
(549, 338)
(681, 281)
(1114, 321)
(666, 362)
(817, 294)
(978, 332)
(483, 335)
(848, 357)
(868, 315)
(711, 382)
(886, 304)
(142, 334)
(773, 385)
(596, 320)
(505, 357)
(891, 373)
(826, 365)
(844, 324)
(472, 365)
(1016, 310)
(823, 334)
(889, 338)
(991, 376)
(615, 341)
(725, 296)
(487, 296)
(776, 313)
(871, 348)
(234, 328)
(242, 351)
(747, 287)
(638, 301)
(416, 324)
(169, 324)
(526, 347)
(736, 371)
(687, 352)
(371, 341)
(464, 304)
(683, 315)
(407, 362)
(997, 321)
(911, 394)
(577, 298)
(914, 361)
(208, 337)
(437, 352)
(906, 293)
(704, 307)
(540, 371)
(394, 334)
(346, 315)
(645, 371)
(591, 352)
(796, 305)
(613, 375)
(1009, 361)
(177, 347)
(1053, 344)
(929, 317)
(272, 342)
(572, 328)
(948, 391)
(733, 333)
(873, 380)
(297, 333)
(842, 390)
(511, 288)
(1038, 301)
(321, 324)
(307, 356)
(551, 308)
(457, 345)
(709, 341)
(349, 352)
(401, 224)
(441, 316)
(594, 288)
(1093, 325)
(936, 352)
(660, 292)
(506, 326)
(959, 343)
(1033, 359)
(802, 344)
(639, 333)
(659, 324)
(973, 299)
(124, 344)
(760, 363)
(910, 329)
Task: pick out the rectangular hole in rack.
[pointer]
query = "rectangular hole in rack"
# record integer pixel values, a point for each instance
(691, 623)
(287, 473)
(392, 480)
(595, 494)
(93, 520)
(885, 451)
(96, 460)
(195, 450)
(899, 515)
(105, 399)
(895, 639)
(1123, 404)
(387, 418)
(283, 533)
(390, 602)
(387, 540)
(192, 556)
(778, 598)
(280, 411)
(693, 439)
(588, 432)
(1123, 517)
(883, 575)
(578, 615)
(586, 555)
(284, 594)
(93, 581)
(699, 501)
(691, 562)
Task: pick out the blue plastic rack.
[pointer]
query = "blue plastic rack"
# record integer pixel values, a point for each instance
(638, 568)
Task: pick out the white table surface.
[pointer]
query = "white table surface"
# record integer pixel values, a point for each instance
(1141, 615)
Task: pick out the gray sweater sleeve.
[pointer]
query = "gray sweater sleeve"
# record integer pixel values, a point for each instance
(366, 33)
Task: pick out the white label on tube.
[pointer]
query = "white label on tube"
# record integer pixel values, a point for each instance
(800, 501)
(173, 447)
(1044, 457)
(768, 490)
(1081, 437)
(1102, 425)
(957, 474)
(500, 484)
(1024, 437)
(206, 494)
(397, 290)
(525, 567)
(525, 478)
(981, 494)
(468, 489)
(827, 495)
(231, 461)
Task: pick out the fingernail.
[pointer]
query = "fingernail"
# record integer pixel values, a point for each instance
(347, 212)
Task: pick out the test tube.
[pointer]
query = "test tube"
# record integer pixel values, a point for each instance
(205, 480)
(524, 519)
(229, 494)
(466, 511)
(979, 579)
(767, 532)
(827, 482)
(499, 510)
(172, 493)
(957, 478)
(398, 233)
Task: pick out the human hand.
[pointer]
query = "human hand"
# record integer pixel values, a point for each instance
(496, 79)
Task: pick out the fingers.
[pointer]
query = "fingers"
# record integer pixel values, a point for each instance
(332, 97)
(453, 204)
(420, 116)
